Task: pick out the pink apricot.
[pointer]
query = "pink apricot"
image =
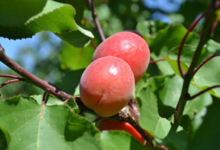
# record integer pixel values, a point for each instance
(106, 85)
(128, 46)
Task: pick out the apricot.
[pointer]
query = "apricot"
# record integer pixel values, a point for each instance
(128, 46)
(124, 126)
(107, 85)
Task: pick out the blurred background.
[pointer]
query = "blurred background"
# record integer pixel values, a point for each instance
(47, 57)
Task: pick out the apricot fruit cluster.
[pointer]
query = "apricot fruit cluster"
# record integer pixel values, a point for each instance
(107, 84)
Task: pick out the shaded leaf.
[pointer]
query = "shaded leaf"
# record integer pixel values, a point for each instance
(16, 13)
(70, 82)
(207, 135)
(78, 126)
(176, 139)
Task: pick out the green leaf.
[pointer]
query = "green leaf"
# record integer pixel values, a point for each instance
(70, 82)
(149, 116)
(86, 142)
(174, 65)
(199, 104)
(51, 100)
(208, 75)
(149, 29)
(168, 39)
(168, 95)
(32, 126)
(16, 13)
(207, 135)
(78, 5)
(166, 43)
(156, 82)
(75, 58)
(120, 140)
(115, 140)
(55, 17)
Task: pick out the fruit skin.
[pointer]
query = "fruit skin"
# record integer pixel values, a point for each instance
(106, 85)
(124, 126)
(128, 46)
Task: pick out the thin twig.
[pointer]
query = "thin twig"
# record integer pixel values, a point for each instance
(183, 41)
(10, 81)
(10, 76)
(203, 63)
(154, 61)
(200, 93)
(95, 18)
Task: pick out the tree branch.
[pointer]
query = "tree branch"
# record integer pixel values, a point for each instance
(184, 39)
(206, 33)
(95, 18)
(29, 77)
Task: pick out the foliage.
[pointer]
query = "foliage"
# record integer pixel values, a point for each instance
(27, 123)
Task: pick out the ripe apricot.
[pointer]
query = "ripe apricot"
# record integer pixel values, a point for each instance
(128, 46)
(124, 126)
(107, 85)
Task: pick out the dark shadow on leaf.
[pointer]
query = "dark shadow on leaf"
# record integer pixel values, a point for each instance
(175, 140)
(163, 110)
(4, 139)
(70, 81)
(13, 101)
(77, 126)
(186, 123)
